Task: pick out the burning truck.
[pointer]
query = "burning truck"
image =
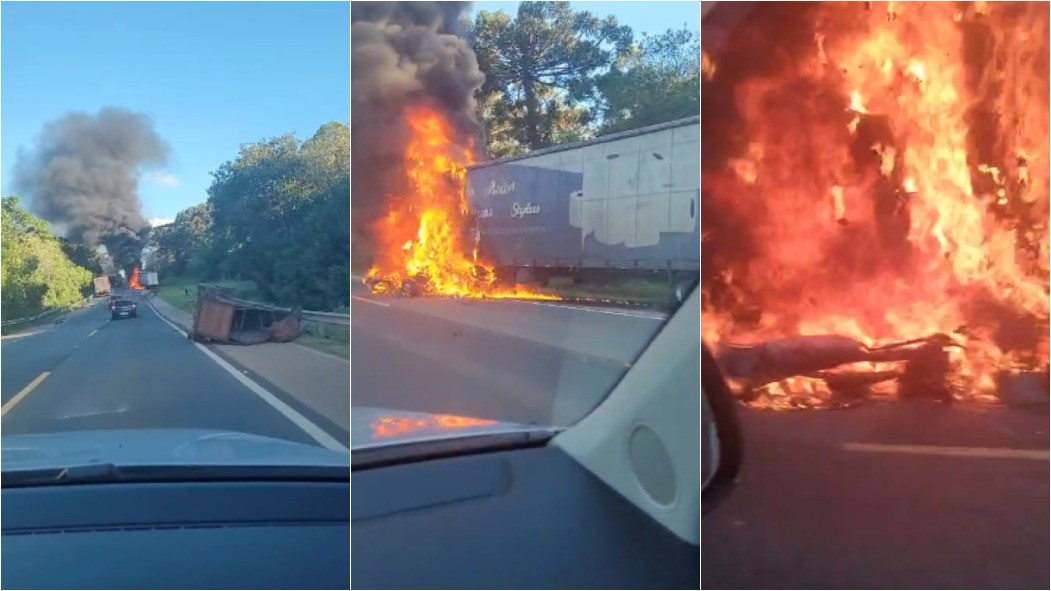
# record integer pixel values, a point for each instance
(441, 220)
(875, 200)
(424, 242)
(627, 202)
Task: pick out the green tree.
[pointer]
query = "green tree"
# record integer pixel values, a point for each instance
(535, 64)
(658, 80)
(37, 274)
(182, 246)
(280, 215)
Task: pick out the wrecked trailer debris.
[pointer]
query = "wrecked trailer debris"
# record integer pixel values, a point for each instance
(918, 366)
(220, 318)
(840, 372)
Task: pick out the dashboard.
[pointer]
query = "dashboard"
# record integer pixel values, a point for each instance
(515, 519)
(194, 535)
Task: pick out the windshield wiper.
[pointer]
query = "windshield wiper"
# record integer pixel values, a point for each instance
(106, 473)
(441, 447)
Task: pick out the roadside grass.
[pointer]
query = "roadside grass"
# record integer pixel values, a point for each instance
(325, 345)
(181, 292)
(48, 318)
(327, 338)
(639, 291)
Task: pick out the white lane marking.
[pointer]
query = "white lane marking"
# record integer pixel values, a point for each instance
(11, 338)
(25, 392)
(290, 413)
(120, 410)
(646, 316)
(91, 334)
(955, 452)
(385, 305)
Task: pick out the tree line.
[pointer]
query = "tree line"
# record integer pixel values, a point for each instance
(278, 213)
(40, 271)
(275, 215)
(555, 75)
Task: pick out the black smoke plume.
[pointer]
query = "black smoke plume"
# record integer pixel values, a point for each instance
(82, 175)
(403, 53)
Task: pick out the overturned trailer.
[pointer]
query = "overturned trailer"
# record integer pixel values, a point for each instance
(221, 318)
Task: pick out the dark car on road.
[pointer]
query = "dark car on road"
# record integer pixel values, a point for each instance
(124, 309)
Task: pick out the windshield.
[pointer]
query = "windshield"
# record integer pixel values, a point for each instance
(521, 227)
(176, 262)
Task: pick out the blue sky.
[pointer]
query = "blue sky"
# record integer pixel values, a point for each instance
(651, 17)
(211, 75)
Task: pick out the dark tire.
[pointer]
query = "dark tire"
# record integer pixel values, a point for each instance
(731, 440)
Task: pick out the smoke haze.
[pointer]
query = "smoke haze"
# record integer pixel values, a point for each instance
(403, 53)
(82, 176)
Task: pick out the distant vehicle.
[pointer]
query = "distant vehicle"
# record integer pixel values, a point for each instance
(102, 286)
(626, 202)
(149, 280)
(124, 309)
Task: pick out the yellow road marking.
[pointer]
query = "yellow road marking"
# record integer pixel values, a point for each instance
(25, 392)
(956, 452)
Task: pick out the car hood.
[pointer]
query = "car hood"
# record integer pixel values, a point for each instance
(159, 447)
(372, 427)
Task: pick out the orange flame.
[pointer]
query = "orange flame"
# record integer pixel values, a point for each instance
(424, 244)
(133, 281)
(936, 172)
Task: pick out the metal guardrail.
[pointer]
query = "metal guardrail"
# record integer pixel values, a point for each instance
(323, 324)
(17, 321)
(320, 317)
(327, 317)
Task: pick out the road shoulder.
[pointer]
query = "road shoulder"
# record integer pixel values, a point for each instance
(312, 383)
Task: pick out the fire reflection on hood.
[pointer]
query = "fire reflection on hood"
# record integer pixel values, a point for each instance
(398, 427)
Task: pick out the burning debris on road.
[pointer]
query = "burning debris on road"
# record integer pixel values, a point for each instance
(882, 176)
(414, 132)
(835, 370)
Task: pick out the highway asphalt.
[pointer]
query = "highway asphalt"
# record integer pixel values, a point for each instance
(891, 496)
(521, 362)
(91, 372)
